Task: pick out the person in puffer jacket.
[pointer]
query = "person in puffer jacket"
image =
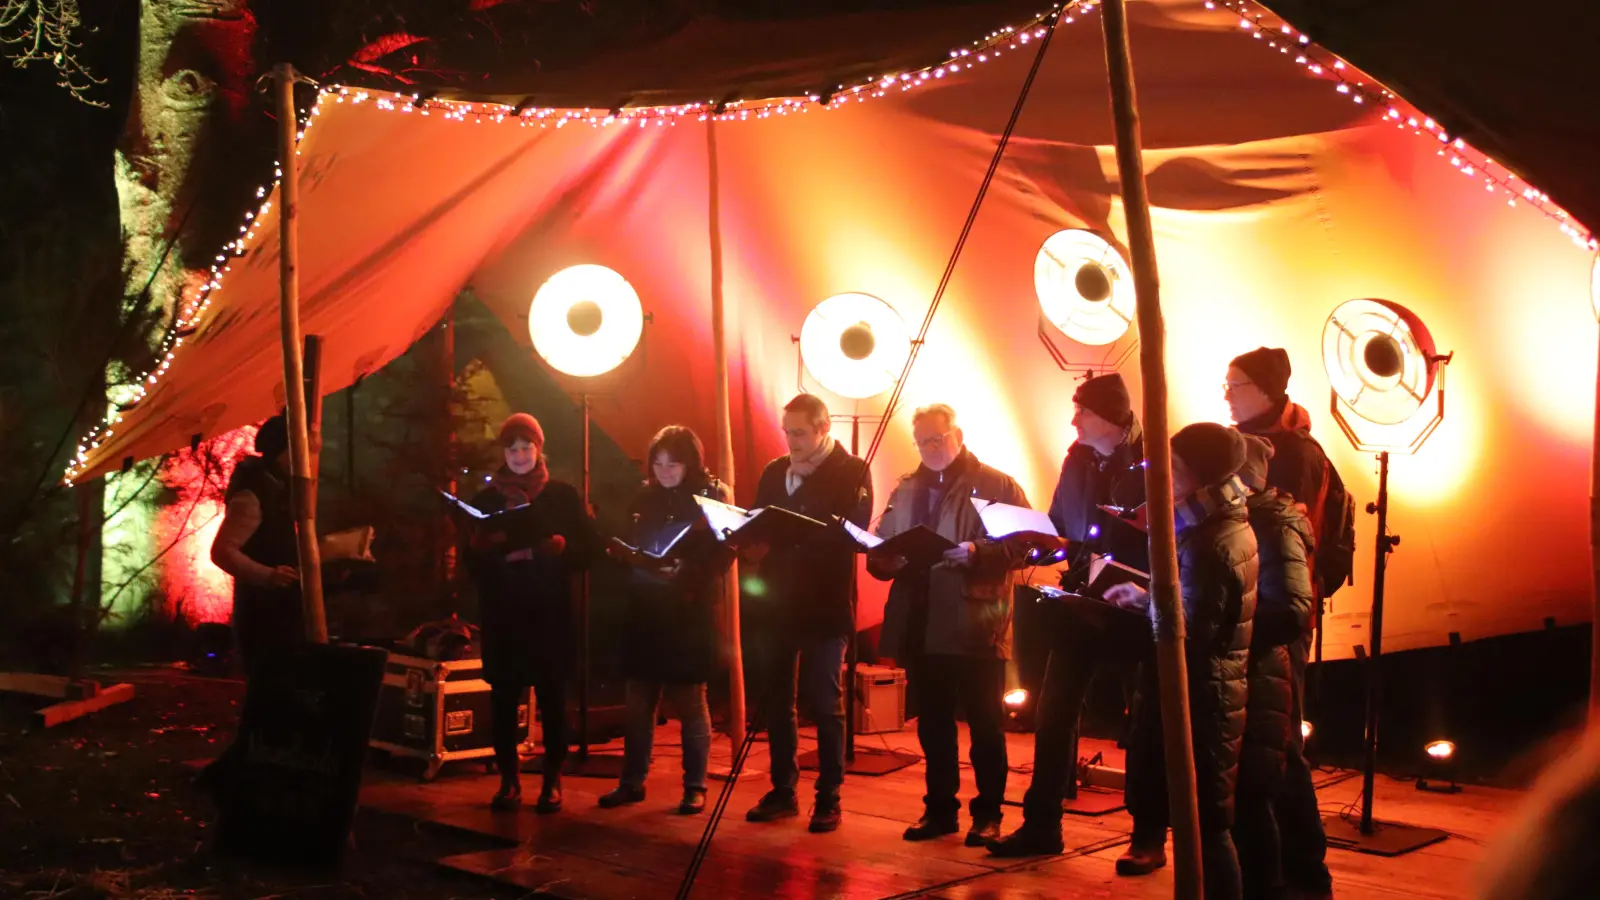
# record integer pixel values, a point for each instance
(1217, 568)
(1284, 600)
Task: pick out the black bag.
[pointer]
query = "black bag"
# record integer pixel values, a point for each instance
(1334, 563)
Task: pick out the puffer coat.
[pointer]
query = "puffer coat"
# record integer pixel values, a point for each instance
(1283, 614)
(1217, 570)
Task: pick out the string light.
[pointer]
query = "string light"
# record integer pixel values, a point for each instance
(1497, 180)
(987, 48)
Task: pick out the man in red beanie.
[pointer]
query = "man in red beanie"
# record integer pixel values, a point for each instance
(1217, 569)
(1257, 391)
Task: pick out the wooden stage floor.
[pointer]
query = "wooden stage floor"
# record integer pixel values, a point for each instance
(642, 851)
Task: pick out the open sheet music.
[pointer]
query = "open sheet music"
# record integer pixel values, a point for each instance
(1104, 572)
(518, 520)
(772, 525)
(920, 546)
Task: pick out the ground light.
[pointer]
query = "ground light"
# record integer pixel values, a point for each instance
(1439, 764)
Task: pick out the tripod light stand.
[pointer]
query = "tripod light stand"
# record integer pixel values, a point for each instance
(856, 345)
(585, 321)
(1383, 369)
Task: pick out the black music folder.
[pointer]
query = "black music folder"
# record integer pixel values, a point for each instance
(1104, 572)
(518, 521)
(921, 546)
(771, 525)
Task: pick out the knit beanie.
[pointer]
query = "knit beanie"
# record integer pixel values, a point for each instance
(1107, 397)
(1268, 367)
(1212, 452)
(272, 438)
(1257, 452)
(521, 425)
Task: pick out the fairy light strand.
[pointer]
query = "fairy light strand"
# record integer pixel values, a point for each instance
(983, 50)
(1497, 180)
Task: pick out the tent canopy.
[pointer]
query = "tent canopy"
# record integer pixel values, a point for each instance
(1276, 197)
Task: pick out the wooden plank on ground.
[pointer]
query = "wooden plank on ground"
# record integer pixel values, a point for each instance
(56, 714)
(39, 685)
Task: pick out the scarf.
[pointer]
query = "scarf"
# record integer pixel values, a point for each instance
(800, 471)
(520, 489)
(932, 486)
(1283, 416)
(1208, 501)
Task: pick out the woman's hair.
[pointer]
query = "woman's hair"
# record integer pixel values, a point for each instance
(682, 445)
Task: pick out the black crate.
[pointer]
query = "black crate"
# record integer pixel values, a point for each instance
(437, 711)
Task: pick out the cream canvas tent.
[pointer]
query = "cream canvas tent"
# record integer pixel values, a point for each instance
(1283, 182)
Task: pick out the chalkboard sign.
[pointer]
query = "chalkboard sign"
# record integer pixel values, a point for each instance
(288, 793)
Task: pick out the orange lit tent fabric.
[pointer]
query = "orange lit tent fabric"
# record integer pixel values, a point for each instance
(1275, 198)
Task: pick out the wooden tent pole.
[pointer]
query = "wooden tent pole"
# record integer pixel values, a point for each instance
(305, 475)
(724, 437)
(1170, 639)
(1594, 550)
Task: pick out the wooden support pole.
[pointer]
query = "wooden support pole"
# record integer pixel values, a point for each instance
(724, 443)
(1170, 660)
(1594, 551)
(300, 457)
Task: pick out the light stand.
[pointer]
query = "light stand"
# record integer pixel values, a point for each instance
(1384, 356)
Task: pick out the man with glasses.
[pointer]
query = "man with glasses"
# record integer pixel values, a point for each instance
(951, 624)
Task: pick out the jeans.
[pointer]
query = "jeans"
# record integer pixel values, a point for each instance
(689, 702)
(1305, 843)
(811, 673)
(940, 684)
(1078, 650)
(504, 698)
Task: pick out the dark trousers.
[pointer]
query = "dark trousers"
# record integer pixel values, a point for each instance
(940, 684)
(1255, 823)
(810, 673)
(1146, 791)
(504, 698)
(266, 622)
(1305, 843)
(1080, 647)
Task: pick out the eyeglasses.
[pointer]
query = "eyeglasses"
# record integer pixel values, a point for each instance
(932, 442)
(1229, 387)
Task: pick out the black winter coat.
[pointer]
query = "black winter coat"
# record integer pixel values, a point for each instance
(1089, 481)
(813, 585)
(1217, 568)
(1284, 602)
(672, 635)
(525, 606)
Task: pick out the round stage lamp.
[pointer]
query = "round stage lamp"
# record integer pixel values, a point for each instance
(855, 344)
(585, 320)
(1084, 287)
(1380, 359)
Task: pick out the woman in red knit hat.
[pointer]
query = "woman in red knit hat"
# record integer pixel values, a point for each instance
(524, 578)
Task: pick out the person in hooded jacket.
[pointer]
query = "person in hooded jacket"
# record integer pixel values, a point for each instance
(951, 623)
(1102, 468)
(1284, 599)
(525, 583)
(1257, 391)
(671, 642)
(1217, 570)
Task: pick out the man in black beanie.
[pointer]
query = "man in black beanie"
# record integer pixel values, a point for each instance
(1257, 394)
(1217, 568)
(1102, 468)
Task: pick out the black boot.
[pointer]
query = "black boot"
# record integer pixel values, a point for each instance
(983, 832)
(774, 806)
(694, 802)
(509, 796)
(929, 827)
(826, 814)
(622, 795)
(550, 796)
(1029, 840)
(1140, 860)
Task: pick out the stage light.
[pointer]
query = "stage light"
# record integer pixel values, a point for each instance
(1306, 730)
(1016, 698)
(1380, 360)
(855, 345)
(1084, 287)
(585, 320)
(1439, 762)
(1594, 285)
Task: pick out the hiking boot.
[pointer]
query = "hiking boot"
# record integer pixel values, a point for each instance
(983, 832)
(509, 797)
(693, 803)
(774, 806)
(1142, 860)
(825, 815)
(550, 796)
